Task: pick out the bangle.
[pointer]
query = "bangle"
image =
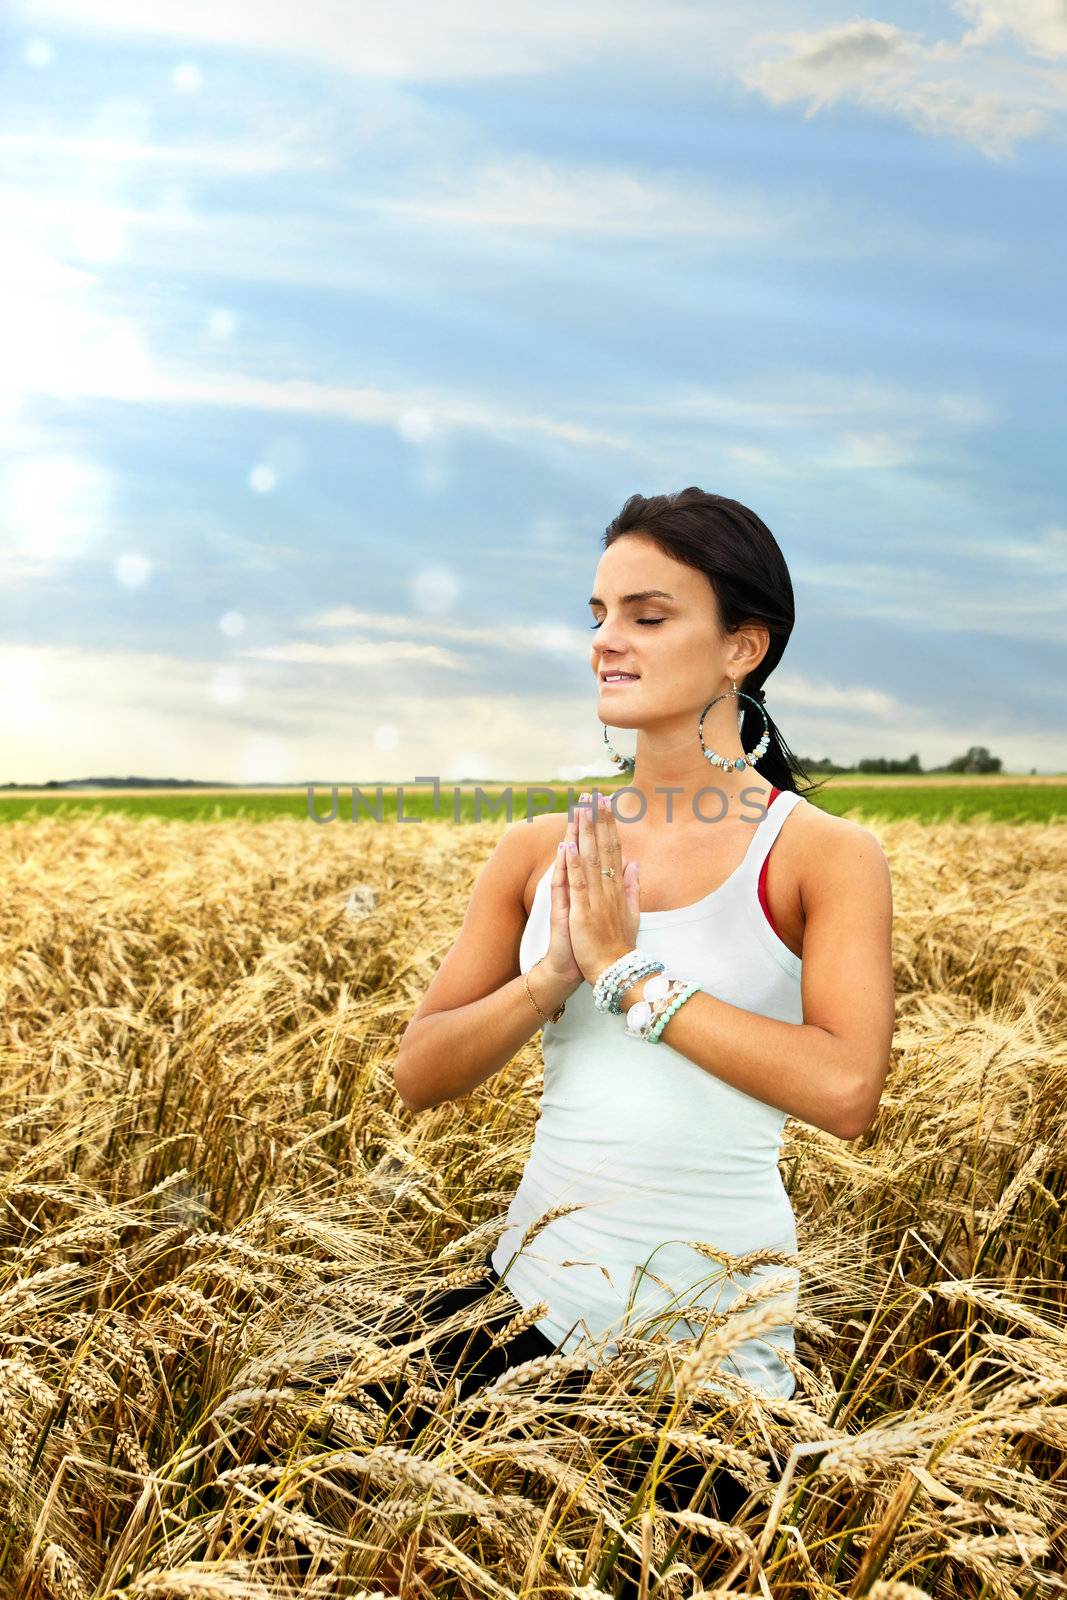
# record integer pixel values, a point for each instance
(537, 1008)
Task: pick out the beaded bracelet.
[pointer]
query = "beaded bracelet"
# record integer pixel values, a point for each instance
(647, 969)
(661, 997)
(655, 996)
(610, 977)
(615, 980)
(665, 1016)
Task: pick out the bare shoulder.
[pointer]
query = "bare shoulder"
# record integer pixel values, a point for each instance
(834, 853)
(547, 829)
(543, 834)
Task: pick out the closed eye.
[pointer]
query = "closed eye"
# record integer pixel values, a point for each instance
(649, 622)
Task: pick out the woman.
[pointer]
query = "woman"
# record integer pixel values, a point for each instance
(694, 985)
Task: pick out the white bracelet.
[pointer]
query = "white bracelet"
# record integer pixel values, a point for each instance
(656, 996)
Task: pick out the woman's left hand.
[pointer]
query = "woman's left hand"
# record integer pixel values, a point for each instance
(604, 911)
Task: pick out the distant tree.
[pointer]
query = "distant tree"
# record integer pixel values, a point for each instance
(824, 764)
(888, 764)
(977, 759)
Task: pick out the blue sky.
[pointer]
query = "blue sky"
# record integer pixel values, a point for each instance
(333, 338)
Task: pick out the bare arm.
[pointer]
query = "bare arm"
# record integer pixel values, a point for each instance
(476, 1013)
(830, 1069)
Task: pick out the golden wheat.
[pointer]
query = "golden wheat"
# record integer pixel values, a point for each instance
(220, 1227)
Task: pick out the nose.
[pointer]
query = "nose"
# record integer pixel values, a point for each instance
(606, 648)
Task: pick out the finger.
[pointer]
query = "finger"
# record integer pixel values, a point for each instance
(608, 834)
(576, 881)
(586, 831)
(559, 875)
(569, 838)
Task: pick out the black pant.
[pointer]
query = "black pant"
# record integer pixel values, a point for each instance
(470, 1356)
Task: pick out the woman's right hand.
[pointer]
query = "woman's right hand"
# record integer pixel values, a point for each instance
(558, 962)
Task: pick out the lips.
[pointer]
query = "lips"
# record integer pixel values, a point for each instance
(624, 677)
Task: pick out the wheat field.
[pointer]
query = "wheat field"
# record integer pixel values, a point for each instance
(219, 1221)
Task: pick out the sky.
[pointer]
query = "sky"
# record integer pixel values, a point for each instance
(333, 336)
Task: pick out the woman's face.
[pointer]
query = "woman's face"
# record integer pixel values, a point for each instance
(671, 639)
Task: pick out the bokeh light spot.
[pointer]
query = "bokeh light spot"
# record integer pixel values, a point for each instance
(221, 323)
(132, 570)
(415, 425)
(227, 686)
(187, 77)
(263, 760)
(435, 590)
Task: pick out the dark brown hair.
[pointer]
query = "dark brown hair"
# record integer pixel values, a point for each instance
(740, 558)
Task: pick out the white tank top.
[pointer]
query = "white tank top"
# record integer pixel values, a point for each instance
(655, 1149)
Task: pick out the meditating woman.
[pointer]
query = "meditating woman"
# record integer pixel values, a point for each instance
(706, 954)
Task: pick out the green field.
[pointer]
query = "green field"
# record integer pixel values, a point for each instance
(928, 800)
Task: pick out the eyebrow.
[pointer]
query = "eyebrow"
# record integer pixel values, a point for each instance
(628, 599)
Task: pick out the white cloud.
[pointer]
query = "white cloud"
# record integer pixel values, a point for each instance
(74, 713)
(371, 653)
(844, 59)
(1043, 556)
(1041, 25)
(57, 342)
(518, 638)
(424, 40)
(58, 150)
(783, 399)
(991, 102)
(1003, 604)
(992, 105)
(786, 688)
(530, 194)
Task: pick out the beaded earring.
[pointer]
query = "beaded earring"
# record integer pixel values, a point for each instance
(626, 764)
(750, 757)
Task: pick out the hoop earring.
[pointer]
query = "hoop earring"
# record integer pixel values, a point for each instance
(624, 763)
(750, 757)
